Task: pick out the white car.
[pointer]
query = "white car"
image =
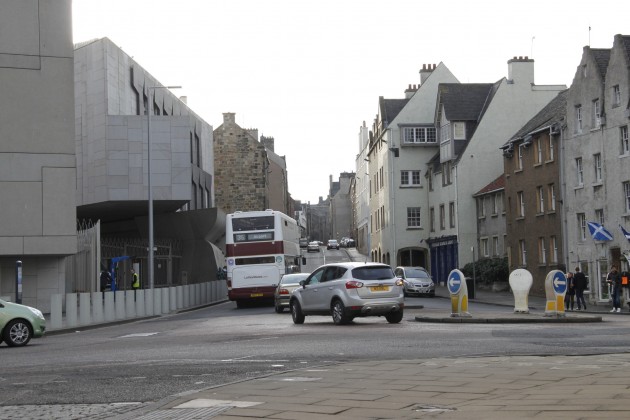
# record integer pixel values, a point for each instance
(417, 281)
(349, 290)
(312, 246)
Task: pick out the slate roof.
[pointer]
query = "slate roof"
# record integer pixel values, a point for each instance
(601, 57)
(626, 43)
(465, 101)
(554, 111)
(496, 185)
(390, 108)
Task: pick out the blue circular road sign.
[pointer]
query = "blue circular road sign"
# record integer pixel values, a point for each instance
(454, 282)
(559, 282)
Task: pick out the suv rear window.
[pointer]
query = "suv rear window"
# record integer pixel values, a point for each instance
(372, 273)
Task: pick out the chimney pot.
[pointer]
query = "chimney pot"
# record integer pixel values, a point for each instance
(424, 67)
(409, 86)
(526, 57)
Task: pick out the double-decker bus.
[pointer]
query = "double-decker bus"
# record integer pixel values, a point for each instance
(261, 246)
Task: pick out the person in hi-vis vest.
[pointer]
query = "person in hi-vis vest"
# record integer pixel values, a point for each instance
(135, 282)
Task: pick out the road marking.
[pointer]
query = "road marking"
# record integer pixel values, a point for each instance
(138, 335)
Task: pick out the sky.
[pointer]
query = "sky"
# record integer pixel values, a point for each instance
(308, 73)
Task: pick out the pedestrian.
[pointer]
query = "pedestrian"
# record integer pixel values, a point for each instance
(135, 282)
(580, 284)
(106, 281)
(614, 280)
(570, 293)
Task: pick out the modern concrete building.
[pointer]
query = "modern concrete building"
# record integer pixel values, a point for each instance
(532, 165)
(114, 96)
(37, 153)
(596, 162)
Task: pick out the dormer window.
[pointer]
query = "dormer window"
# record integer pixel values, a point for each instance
(459, 131)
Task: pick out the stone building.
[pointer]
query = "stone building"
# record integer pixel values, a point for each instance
(249, 175)
(341, 206)
(37, 154)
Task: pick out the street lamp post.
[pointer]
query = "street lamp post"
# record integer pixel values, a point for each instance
(150, 198)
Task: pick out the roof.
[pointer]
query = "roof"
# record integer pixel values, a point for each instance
(554, 111)
(601, 57)
(496, 185)
(626, 43)
(465, 101)
(390, 108)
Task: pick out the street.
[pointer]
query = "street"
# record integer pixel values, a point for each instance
(149, 360)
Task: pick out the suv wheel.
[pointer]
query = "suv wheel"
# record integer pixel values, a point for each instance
(296, 312)
(394, 317)
(339, 315)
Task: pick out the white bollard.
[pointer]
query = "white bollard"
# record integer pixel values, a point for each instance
(97, 307)
(148, 303)
(56, 311)
(521, 282)
(130, 304)
(85, 310)
(166, 305)
(173, 295)
(71, 310)
(157, 301)
(110, 307)
(119, 298)
(187, 296)
(180, 297)
(140, 307)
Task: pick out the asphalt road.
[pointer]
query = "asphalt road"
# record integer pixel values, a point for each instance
(152, 359)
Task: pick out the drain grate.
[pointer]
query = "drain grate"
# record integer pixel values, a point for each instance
(186, 413)
(423, 408)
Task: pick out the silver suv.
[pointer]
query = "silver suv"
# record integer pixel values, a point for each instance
(349, 290)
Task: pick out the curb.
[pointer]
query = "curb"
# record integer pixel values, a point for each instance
(500, 320)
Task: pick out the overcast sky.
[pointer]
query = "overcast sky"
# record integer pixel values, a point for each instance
(308, 73)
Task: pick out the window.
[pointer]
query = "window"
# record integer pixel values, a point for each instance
(382, 178)
(198, 147)
(419, 135)
(541, 199)
(578, 119)
(597, 161)
(581, 224)
(446, 173)
(409, 178)
(432, 218)
(459, 131)
(579, 172)
(596, 120)
(551, 188)
(413, 217)
(442, 217)
(481, 207)
(599, 216)
(623, 134)
(616, 99)
(542, 251)
(521, 204)
(451, 213)
(626, 195)
(484, 247)
(520, 158)
(495, 204)
(192, 149)
(553, 247)
(430, 179)
(522, 252)
(550, 151)
(382, 217)
(539, 150)
(495, 245)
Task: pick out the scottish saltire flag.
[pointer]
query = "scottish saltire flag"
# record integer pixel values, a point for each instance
(625, 232)
(599, 232)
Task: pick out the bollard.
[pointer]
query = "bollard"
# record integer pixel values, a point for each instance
(555, 289)
(521, 282)
(459, 294)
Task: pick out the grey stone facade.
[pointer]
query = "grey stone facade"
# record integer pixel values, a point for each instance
(37, 155)
(341, 206)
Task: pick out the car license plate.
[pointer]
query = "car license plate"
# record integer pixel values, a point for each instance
(256, 295)
(379, 288)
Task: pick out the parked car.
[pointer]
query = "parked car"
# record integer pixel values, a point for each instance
(348, 290)
(313, 246)
(303, 242)
(20, 323)
(332, 243)
(417, 281)
(288, 283)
